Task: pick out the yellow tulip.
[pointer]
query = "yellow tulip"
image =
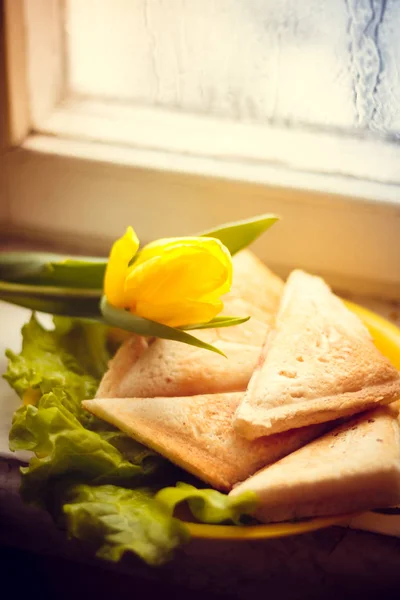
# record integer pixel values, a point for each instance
(174, 281)
(121, 254)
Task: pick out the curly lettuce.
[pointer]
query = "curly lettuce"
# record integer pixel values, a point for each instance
(208, 506)
(72, 356)
(116, 520)
(101, 485)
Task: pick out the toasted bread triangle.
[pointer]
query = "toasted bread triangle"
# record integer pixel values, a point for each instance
(318, 364)
(196, 433)
(354, 467)
(167, 368)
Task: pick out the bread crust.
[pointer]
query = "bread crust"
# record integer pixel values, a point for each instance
(320, 410)
(196, 433)
(318, 363)
(354, 467)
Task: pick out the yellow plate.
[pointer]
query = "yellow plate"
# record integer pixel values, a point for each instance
(387, 338)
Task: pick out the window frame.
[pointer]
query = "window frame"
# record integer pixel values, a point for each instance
(62, 174)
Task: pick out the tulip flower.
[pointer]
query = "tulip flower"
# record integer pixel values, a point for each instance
(173, 281)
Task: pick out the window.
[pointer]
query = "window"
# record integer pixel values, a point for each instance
(178, 115)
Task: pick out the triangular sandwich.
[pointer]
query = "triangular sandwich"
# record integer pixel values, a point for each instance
(319, 363)
(167, 368)
(196, 433)
(353, 468)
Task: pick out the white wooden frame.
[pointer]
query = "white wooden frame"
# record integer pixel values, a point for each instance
(87, 168)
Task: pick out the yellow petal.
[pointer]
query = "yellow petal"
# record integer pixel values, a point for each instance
(184, 313)
(160, 247)
(122, 252)
(170, 271)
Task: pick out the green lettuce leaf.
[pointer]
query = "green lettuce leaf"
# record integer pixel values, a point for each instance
(208, 506)
(116, 520)
(64, 365)
(132, 450)
(64, 447)
(86, 341)
(51, 359)
(105, 487)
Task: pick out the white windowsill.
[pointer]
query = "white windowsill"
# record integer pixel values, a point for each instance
(86, 193)
(236, 168)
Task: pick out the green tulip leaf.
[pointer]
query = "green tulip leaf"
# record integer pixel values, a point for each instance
(18, 266)
(77, 273)
(42, 268)
(217, 322)
(117, 317)
(69, 302)
(240, 234)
